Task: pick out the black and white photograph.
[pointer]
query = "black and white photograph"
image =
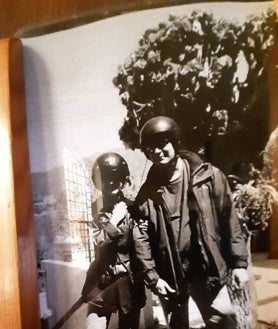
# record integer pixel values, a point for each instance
(153, 158)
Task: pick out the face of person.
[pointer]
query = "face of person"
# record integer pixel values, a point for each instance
(111, 187)
(161, 152)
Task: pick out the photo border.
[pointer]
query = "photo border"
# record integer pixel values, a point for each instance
(20, 305)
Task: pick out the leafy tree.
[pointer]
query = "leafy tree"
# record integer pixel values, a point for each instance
(210, 75)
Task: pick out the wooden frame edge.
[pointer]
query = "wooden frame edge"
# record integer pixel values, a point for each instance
(18, 285)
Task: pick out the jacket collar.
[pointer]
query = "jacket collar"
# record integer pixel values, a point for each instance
(202, 173)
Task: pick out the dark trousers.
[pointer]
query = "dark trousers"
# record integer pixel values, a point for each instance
(130, 320)
(176, 308)
(177, 313)
(206, 299)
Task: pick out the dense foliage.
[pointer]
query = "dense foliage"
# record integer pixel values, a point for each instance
(255, 202)
(209, 74)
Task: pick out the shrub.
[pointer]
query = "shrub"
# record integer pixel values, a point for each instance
(255, 202)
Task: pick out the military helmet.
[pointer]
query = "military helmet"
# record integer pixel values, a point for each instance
(110, 167)
(157, 126)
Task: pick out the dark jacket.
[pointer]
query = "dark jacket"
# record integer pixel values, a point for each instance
(106, 287)
(218, 229)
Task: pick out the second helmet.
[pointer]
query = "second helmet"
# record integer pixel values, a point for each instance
(109, 167)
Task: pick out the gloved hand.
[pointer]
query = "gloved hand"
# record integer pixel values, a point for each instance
(163, 288)
(240, 276)
(118, 213)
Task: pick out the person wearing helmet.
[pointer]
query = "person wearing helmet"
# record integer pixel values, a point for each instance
(190, 236)
(109, 284)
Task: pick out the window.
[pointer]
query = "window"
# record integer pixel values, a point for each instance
(78, 193)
